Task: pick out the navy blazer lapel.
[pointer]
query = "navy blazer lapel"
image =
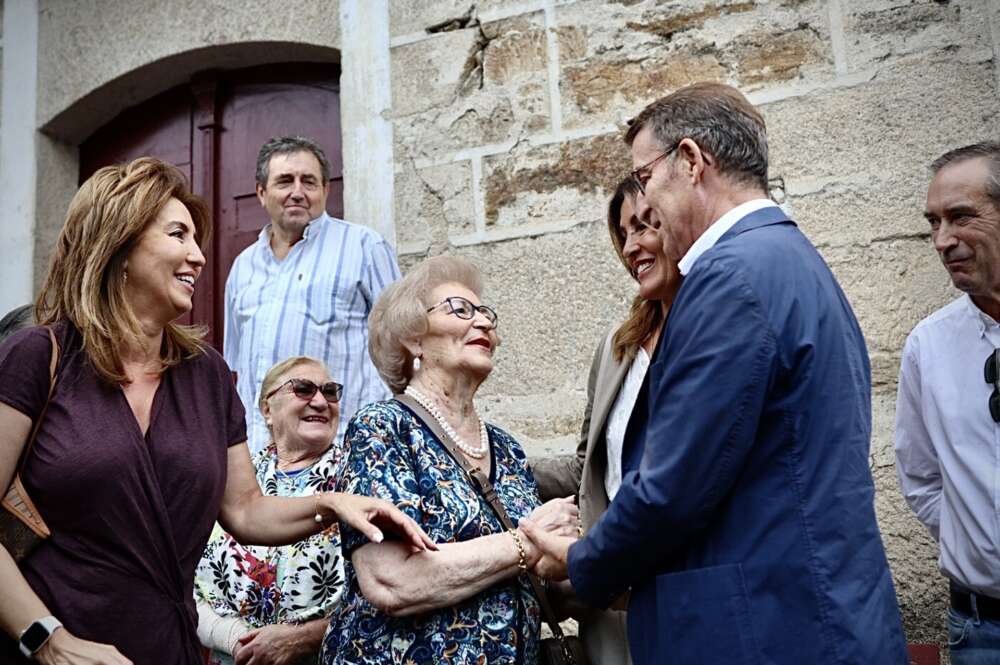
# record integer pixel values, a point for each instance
(755, 220)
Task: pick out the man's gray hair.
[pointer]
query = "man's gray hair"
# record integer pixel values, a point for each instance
(286, 145)
(986, 149)
(720, 120)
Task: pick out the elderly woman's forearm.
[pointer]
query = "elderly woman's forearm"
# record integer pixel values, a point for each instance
(402, 584)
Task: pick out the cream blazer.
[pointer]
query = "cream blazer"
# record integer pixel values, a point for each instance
(602, 632)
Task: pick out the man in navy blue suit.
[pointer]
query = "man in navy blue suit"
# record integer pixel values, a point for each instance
(745, 528)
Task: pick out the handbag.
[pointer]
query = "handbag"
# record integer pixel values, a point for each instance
(22, 528)
(559, 650)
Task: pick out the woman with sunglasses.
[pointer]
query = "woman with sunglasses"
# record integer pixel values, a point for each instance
(271, 605)
(432, 339)
(142, 445)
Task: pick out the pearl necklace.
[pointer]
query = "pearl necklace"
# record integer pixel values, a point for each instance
(484, 439)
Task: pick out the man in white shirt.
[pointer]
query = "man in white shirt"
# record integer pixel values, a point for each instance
(948, 405)
(305, 288)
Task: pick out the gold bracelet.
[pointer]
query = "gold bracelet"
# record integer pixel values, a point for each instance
(521, 560)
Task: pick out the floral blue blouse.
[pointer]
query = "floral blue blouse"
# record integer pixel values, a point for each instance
(391, 454)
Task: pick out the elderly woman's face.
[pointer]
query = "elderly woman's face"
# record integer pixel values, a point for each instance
(302, 422)
(454, 344)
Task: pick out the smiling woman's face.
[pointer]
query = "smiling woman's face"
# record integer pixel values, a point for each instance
(645, 252)
(452, 344)
(299, 423)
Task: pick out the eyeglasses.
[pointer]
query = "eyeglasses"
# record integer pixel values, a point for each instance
(464, 309)
(642, 174)
(305, 389)
(991, 375)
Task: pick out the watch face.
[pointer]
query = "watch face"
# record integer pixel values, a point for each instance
(34, 637)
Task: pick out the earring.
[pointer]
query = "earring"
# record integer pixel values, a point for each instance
(416, 363)
(125, 277)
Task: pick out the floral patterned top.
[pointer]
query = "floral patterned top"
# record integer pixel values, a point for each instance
(391, 454)
(267, 585)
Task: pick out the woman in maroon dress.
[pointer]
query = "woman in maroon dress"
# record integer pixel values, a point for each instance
(143, 444)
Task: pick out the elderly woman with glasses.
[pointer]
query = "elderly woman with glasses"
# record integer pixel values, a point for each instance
(270, 605)
(432, 339)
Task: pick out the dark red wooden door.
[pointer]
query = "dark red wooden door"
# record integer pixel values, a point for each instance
(212, 129)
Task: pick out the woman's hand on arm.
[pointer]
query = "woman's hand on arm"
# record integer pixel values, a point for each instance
(370, 516)
(255, 519)
(19, 605)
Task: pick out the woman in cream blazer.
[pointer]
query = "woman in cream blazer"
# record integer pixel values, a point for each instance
(614, 388)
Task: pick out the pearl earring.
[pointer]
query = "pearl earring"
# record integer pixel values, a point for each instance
(416, 363)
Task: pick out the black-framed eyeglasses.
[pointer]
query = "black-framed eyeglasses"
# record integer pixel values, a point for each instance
(992, 375)
(463, 309)
(305, 389)
(641, 175)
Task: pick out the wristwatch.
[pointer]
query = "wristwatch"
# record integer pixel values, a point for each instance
(37, 634)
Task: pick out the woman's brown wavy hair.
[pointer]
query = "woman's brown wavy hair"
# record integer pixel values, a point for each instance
(85, 284)
(645, 315)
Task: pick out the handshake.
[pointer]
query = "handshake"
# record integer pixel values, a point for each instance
(546, 535)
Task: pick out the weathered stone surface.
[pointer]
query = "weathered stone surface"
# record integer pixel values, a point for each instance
(480, 85)
(921, 590)
(876, 30)
(407, 17)
(422, 79)
(615, 59)
(891, 285)
(517, 47)
(553, 182)
(885, 129)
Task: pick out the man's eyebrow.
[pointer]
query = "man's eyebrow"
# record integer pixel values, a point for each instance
(960, 208)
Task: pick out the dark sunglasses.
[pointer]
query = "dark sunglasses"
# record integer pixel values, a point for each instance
(305, 389)
(991, 375)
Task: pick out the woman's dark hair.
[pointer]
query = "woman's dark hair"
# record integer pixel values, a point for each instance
(16, 319)
(645, 315)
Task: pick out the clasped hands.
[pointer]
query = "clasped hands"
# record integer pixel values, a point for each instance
(547, 534)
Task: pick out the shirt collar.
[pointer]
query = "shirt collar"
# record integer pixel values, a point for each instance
(983, 320)
(265, 233)
(718, 229)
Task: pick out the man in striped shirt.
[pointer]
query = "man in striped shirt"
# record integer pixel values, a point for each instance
(305, 287)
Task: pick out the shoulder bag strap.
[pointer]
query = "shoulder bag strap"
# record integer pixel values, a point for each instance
(53, 363)
(482, 483)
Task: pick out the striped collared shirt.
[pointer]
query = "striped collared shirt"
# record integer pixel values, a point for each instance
(315, 303)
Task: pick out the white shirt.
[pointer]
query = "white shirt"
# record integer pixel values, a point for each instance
(718, 229)
(314, 302)
(618, 418)
(947, 445)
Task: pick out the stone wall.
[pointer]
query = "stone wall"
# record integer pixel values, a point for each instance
(507, 122)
